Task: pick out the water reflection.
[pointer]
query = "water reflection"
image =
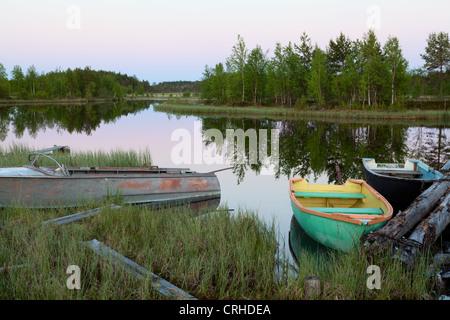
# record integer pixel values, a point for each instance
(305, 250)
(336, 150)
(84, 118)
(306, 147)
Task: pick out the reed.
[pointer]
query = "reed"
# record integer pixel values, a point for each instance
(17, 155)
(349, 276)
(219, 256)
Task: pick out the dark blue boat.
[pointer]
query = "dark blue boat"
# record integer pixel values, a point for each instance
(400, 183)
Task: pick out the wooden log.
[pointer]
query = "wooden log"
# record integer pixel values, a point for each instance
(404, 221)
(159, 284)
(427, 232)
(437, 262)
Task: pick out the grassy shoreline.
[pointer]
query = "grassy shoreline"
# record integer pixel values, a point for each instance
(186, 109)
(223, 256)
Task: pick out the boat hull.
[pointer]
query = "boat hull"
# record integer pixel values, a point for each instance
(335, 234)
(130, 187)
(338, 216)
(399, 191)
(300, 242)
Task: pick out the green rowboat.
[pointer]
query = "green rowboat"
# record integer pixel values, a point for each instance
(338, 216)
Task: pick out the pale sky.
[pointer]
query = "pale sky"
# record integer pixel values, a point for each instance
(174, 40)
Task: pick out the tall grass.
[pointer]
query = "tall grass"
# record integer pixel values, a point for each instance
(345, 276)
(220, 256)
(16, 155)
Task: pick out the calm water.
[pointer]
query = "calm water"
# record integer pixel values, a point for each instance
(321, 151)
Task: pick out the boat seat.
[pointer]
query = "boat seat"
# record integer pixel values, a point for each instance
(398, 172)
(349, 210)
(340, 195)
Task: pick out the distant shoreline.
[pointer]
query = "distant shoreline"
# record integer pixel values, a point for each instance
(191, 105)
(414, 114)
(15, 102)
(80, 101)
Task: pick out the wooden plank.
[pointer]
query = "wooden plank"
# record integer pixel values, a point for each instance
(78, 216)
(349, 210)
(341, 195)
(19, 266)
(159, 284)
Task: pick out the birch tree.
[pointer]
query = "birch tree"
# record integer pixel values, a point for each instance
(395, 63)
(256, 64)
(318, 79)
(371, 51)
(238, 60)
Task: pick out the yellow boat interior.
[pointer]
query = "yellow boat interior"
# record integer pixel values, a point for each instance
(355, 200)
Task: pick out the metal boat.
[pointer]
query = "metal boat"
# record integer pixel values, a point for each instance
(46, 187)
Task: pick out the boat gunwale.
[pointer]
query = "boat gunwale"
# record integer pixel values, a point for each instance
(412, 179)
(350, 218)
(124, 173)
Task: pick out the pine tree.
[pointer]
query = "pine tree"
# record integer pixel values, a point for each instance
(305, 51)
(437, 54)
(337, 53)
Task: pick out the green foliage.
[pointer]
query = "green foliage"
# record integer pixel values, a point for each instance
(174, 86)
(238, 60)
(140, 89)
(361, 73)
(396, 65)
(256, 73)
(437, 54)
(5, 87)
(318, 80)
(72, 84)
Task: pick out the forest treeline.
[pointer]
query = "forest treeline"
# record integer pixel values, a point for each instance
(76, 83)
(360, 72)
(175, 87)
(81, 83)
